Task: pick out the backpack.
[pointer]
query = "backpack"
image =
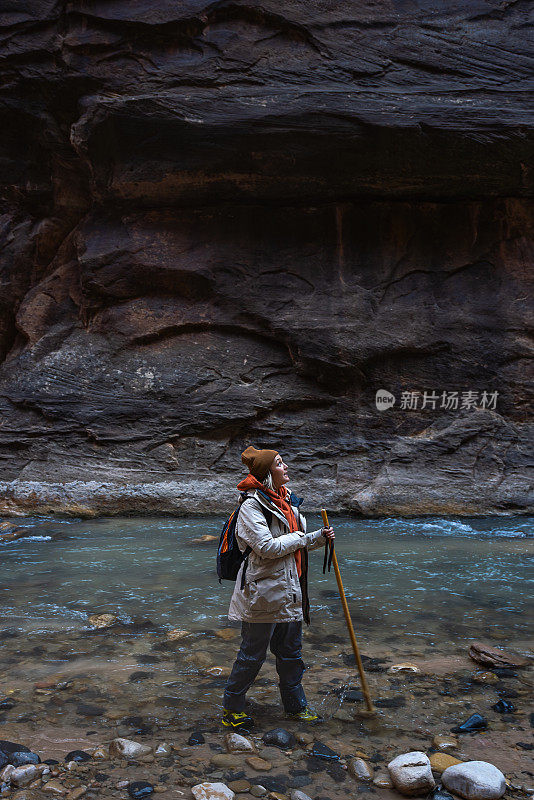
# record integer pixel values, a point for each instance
(229, 556)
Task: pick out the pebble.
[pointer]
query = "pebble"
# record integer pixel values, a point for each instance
(485, 677)
(140, 789)
(226, 760)
(196, 738)
(359, 769)
(77, 755)
(77, 793)
(440, 761)
(55, 788)
(235, 743)
(279, 737)
(445, 742)
(320, 750)
(127, 748)
(257, 790)
(22, 776)
(476, 722)
(475, 780)
(212, 791)
(163, 749)
(411, 773)
(259, 764)
(404, 667)
(440, 794)
(383, 781)
(304, 738)
(239, 786)
(296, 794)
(101, 753)
(503, 707)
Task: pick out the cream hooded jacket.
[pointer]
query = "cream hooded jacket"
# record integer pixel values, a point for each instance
(272, 590)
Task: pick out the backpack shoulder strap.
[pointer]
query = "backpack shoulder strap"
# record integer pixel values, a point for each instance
(265, 511)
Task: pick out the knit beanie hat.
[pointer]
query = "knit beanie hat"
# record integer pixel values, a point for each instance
(258, 462)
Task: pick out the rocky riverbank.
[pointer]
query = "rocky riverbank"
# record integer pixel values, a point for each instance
(131, 711)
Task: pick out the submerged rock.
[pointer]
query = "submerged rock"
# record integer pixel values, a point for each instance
(382, 780)
(476, 722)
(485, 654)
(399, 701)
(279, 737)
(237, 744)
(297, 794)
(77, 755)
(127, 748)
(102, 620)
(320, 750)
(503, 707)
(359, 769)
(411, 773)
(475, 780)
(140, 789)
(259, 764)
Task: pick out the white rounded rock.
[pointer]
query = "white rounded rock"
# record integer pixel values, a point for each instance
(475, 780)
(127, 748)
(411, 773)
(212, 791)
(22, 776)
(235, 743)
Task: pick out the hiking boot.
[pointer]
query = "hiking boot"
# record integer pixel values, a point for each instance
(237, 719)
(306, 714)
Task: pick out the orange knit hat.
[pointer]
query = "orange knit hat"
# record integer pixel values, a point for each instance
(258, 462)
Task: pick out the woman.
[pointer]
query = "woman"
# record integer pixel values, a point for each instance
(274, 599)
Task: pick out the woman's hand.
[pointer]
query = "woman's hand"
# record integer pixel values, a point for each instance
(328, 533)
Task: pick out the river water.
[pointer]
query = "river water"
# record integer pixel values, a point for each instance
(419, 591)
(425, 579)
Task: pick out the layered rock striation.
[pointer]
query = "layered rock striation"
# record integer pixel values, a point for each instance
(230, 223)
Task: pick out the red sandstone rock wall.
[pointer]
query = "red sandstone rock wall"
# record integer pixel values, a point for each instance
(230, 223)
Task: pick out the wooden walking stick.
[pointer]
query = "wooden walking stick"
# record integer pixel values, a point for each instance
(357, 656)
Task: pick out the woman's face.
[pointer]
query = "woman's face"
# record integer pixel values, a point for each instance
(279, 472)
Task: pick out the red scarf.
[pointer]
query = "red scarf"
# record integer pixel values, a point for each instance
(281, 501)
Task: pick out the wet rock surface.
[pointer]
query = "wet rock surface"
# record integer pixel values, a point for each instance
(248, 219)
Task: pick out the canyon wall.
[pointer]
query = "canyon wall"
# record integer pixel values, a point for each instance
(230, 223)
